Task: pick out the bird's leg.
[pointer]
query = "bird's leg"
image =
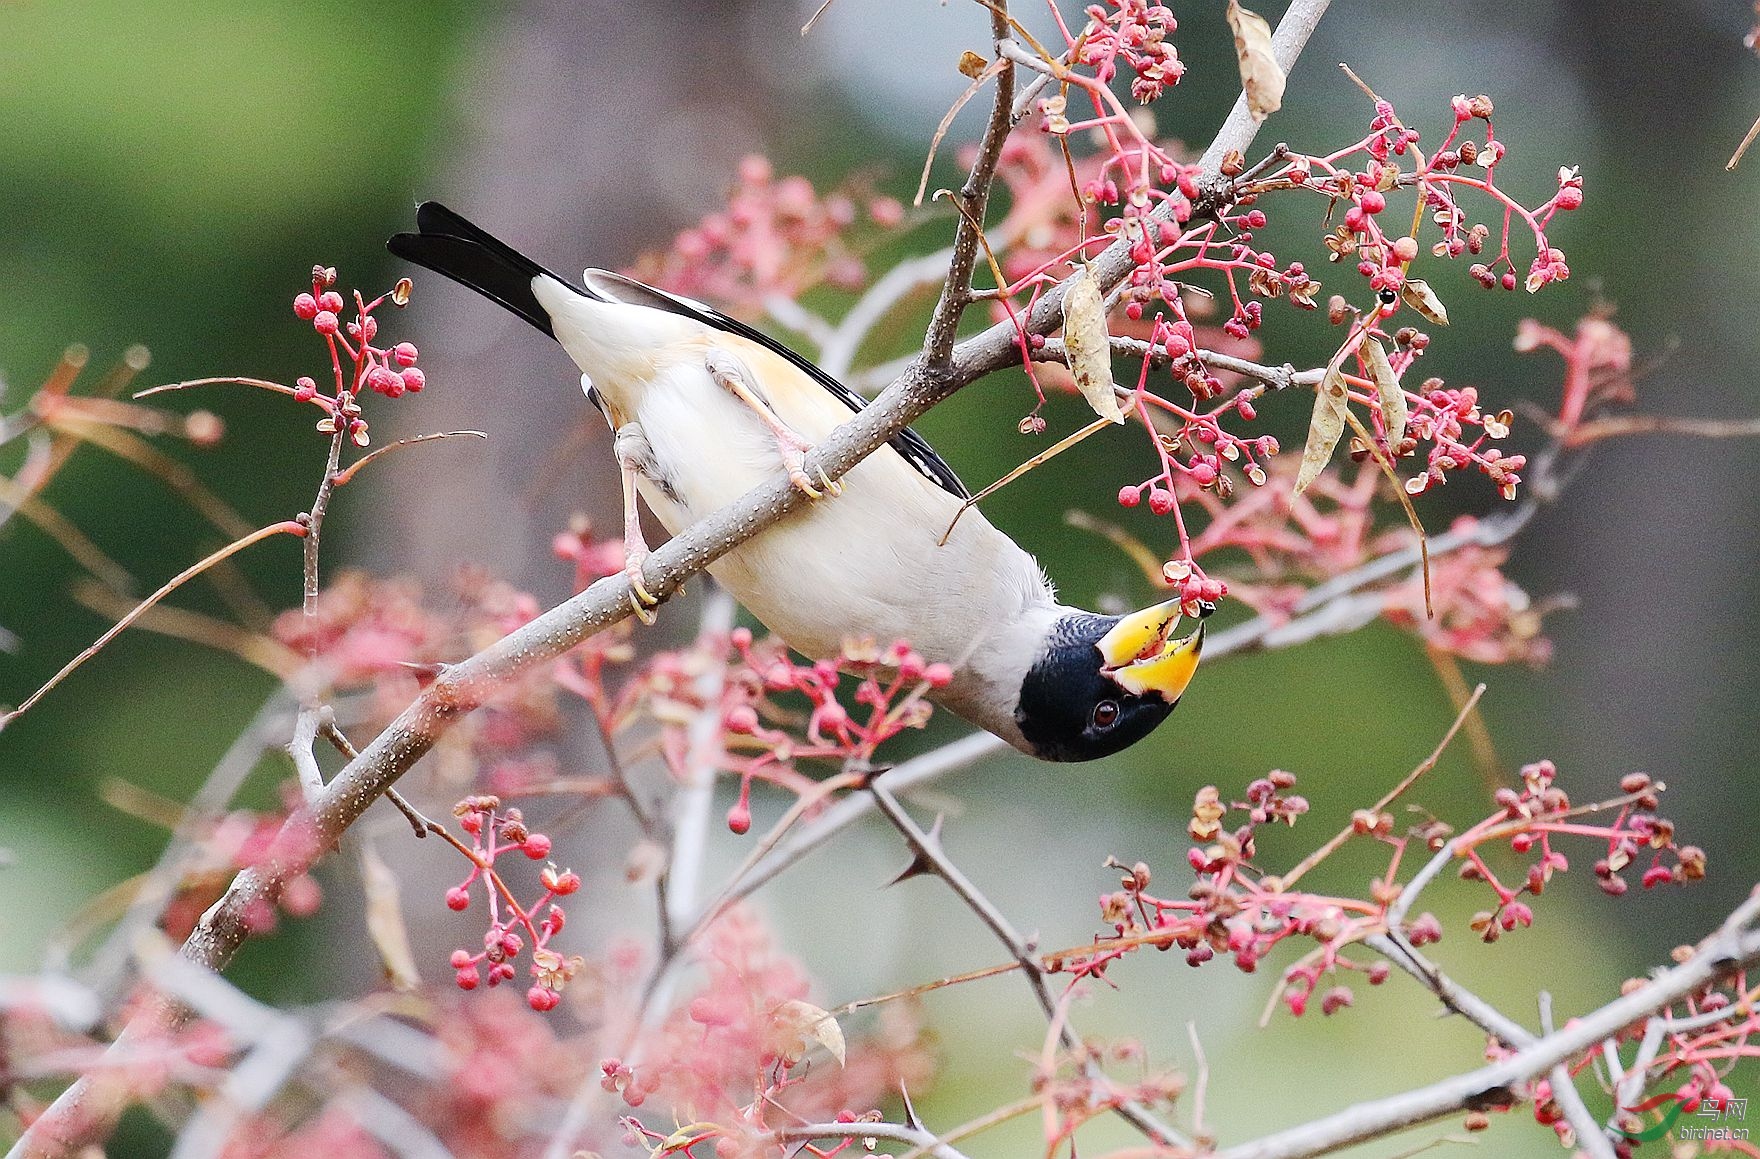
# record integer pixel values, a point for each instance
(731, 375)
(628, 446)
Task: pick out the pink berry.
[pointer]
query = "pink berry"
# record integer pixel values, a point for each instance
(1160, 500)
(1129, 496)
(536, 847)
(414, 379)
(1371, 201)
(330, 300)
(305, 307)
(468, 979)
(1508, 281)
(739, 819)
(325, 322)
(938, 675)
(1203, 474)
(458, 898)
(542, 999)
(1570, 197)
(1405, 249)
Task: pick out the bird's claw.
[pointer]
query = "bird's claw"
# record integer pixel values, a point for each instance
(641, 601)
(805, 484)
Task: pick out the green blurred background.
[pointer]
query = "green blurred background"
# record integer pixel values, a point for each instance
(168, 175)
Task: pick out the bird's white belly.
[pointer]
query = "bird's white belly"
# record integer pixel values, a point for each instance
(865, 563)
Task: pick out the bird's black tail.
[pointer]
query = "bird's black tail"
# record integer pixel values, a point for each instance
(455, 248)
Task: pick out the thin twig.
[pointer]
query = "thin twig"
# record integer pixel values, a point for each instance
(286, 527)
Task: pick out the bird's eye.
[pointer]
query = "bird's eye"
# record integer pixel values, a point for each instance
(1105, 714)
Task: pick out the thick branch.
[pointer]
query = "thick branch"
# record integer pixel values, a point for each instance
(1735, 946)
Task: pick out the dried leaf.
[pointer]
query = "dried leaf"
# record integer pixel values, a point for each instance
(809, 1021)
(1324, 429)
(972, 65)
(1387, 391)
(1420, 297)
(1261, 78)
(1089, 345)
(384, 913)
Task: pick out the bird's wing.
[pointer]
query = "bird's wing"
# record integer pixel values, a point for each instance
(908, 443)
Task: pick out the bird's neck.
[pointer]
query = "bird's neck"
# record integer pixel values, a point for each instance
(986, 686)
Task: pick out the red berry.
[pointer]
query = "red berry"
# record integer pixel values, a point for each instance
(739, 819)
(1371, 201)
(414, 379)
(458, 898)
(468, 979)
(324, 322)
(1508, 280)
(1129, 496)
(305, 307)
(542, 999)
(1160, 501)
(330, 300)
(1570, 197)
(536, 847)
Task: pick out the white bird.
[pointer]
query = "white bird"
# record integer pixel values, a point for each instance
(703, 407)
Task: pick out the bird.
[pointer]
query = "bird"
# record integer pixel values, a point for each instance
(703, 408)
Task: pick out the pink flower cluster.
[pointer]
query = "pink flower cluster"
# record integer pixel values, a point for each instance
(778, 237)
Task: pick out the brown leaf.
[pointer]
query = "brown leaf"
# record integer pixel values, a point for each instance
(1261, 78)
(1324, 429)
(1387, 391)
(805, 1021)
(384, 913)
(1420, 297)
(1089, 345)
(971, 64)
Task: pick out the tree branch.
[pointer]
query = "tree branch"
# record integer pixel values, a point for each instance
(1735, 946)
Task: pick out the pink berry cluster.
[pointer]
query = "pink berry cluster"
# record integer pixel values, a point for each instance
(356, 364)
(1133, 189)
(778, 237)
(890, 690)
(496, 831)
(1235, 908)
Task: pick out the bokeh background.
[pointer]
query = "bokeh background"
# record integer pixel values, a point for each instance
(168, 174)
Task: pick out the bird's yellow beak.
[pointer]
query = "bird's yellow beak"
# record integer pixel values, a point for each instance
(1138, 655)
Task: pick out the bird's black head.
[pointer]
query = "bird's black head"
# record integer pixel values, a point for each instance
(1105, 682)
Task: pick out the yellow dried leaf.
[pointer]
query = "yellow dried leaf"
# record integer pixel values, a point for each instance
(1420, 297)
(971, 64)
(1387, 392)
(1261, 78)
(808, 1021)
(1088, 344)
(1324, 429)
(384, 914)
